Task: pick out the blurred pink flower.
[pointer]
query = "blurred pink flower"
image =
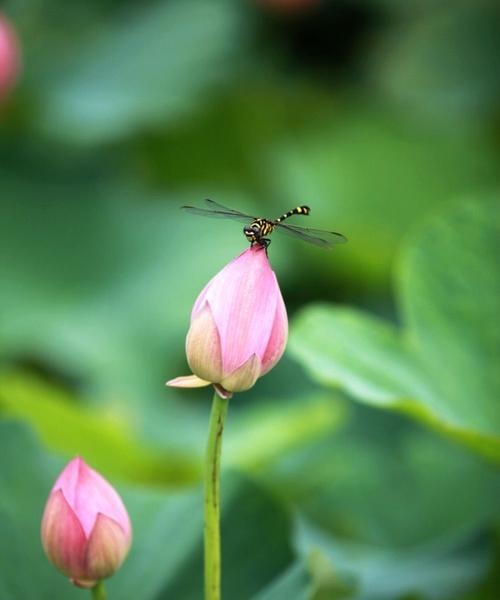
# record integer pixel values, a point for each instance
(86, 530)
(9, 56)
(288, 6)
(239, 326)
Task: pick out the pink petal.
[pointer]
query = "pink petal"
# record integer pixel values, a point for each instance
(200, 301)
(187, 381)
(106, 548)
(243, 298)
(203, 348)
(202, 297)
(88, 494)
(244, 377)
(9, 56)
(277, 339)
(63, 538)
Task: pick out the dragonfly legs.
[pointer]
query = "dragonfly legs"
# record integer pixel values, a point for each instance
(262, 242)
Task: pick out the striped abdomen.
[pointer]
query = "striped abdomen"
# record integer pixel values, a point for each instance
(300, 210)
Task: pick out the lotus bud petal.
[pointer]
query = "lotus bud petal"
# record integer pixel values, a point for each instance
(9, 56)
(202, 342)
(244, 377)
(86, 531)
(239, 325)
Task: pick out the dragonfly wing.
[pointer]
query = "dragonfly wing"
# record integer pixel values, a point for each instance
(318, 237)
(213, 205)
(217, 211)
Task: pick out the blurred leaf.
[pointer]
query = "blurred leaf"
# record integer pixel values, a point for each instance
(327, 583)
(259, 435)
(104, 439)
(450, 288)
(307, 579)
(489, 586)
(294, 583)
(388, 482)
(242, 119)
(441, 60)
(143, 66)
(442, 369)
(435, 571)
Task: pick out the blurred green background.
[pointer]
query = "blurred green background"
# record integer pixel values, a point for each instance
(365, 465)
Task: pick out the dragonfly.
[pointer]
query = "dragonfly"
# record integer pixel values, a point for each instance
(258, 228)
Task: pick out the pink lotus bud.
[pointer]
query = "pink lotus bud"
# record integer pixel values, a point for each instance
(239, 326)
(86, 530)
(9, 56)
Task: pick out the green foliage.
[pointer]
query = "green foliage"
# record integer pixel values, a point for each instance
(433, 62)
(377, 484)
(442, 367)
(308, 579)
(70, 429)
(388, 506)
(434, 571)
(152, 71)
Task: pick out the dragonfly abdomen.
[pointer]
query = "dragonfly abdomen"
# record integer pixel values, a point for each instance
(299, 210)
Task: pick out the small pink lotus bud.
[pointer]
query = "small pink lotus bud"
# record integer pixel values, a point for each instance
(9, 56)
(86, 530)
(239, 326)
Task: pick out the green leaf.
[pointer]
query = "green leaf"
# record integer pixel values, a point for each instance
(388, 482)
(441, 60)
(435, 571)
(450, 290)
(294, 583)
(102, 437)
(440, 367)
(386, 490)
(310, 578)
(257, 436)
(139, 68)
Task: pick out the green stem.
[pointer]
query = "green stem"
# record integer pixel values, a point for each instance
(212, 498)
(99, 591)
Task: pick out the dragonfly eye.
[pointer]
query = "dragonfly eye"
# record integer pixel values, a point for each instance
(250, 230)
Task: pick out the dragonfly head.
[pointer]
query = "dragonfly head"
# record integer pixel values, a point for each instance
(251, 233)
